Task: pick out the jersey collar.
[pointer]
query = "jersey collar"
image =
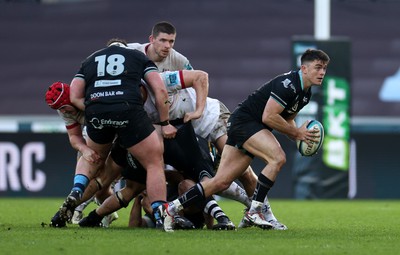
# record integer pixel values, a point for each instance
(301, 80)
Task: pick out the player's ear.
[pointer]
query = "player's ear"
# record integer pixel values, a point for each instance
(303, 68)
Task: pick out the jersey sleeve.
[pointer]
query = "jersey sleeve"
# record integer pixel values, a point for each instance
(135, 46)
(173, 81)
(282, 91)
(80, 73)
(69, 121)
(148, 65)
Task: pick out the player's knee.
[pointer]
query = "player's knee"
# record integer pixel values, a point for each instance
(122, 201)
(99, 183)
(249, 175)
(185, 185)
(221, 185)
(279, 159)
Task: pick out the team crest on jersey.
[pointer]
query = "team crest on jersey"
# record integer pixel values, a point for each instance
(288, 84)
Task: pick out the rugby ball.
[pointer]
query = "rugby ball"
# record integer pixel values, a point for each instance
(310, 150)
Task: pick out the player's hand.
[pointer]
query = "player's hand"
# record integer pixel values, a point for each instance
(308, 135)
(168, 132)
(90, 155)
(191, 116)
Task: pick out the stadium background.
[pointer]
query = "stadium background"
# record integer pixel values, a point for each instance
(241, 44)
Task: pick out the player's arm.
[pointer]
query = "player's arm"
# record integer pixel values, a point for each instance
(153, 79)
(272, 118)
(290, 120)
(78, 143)
(135, 217)
(77, 93)
(199, 81)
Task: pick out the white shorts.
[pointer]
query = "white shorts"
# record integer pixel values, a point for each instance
(220, 127)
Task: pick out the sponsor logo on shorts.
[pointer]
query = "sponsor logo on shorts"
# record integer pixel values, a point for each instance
(101, 123)
(131, 161)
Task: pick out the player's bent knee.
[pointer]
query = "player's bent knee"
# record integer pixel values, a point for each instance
(279, 159)
(185, 185)
(99, 183)
(222, 185)
(122, 202)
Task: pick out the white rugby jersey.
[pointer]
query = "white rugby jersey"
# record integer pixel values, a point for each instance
(174, 62)
(182, 100)
(72, 120)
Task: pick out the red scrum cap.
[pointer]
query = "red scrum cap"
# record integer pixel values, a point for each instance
(58, 95)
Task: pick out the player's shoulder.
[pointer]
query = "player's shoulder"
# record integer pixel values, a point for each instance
(288, 75)
(95, 54)
(70, 119)
(180, 59)
(287, 85)
(138, 46)
(177, 54)
(291, 77)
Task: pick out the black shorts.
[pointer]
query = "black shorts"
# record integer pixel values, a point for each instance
(241, 126)
(138, 175)
(132, 169)
(129, 122)
(189, 154)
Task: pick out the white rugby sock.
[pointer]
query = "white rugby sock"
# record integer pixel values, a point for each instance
(255, 207)
(237, 193)
(267, 210)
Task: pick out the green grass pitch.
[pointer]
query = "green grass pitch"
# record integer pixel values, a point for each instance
(315, 227)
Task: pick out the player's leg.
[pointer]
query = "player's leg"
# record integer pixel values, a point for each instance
(270, 217)
(85, 171)
(264, 145)
(210, 207)
(99, 189)
(248, 178)
(121, 162)
(113, 203)
(233, 163)
(149, 153)
(191, 154)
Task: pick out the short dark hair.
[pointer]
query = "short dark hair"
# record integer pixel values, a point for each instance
(163, 27)
(117, 40)
(312, 54)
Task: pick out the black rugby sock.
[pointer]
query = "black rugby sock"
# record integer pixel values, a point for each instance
(193, 196)
(263, 186)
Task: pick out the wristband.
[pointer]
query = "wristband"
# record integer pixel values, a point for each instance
(163, 123)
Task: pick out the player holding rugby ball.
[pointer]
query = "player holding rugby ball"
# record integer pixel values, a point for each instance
(273, 106)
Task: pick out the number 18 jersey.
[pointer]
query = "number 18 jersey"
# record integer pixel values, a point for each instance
(113, 75)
